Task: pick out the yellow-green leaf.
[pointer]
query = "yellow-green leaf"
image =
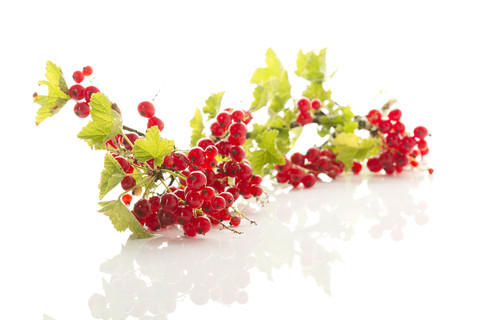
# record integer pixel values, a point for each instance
(112, 175)
(122, 218)
(152, 146)
(197, 127)
(212, 104)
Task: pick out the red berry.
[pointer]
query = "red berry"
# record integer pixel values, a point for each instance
(235, 221)
(218, 203)
(87, 71)
(128, 182)
(374, 116)
(223, 147)
(127, 199)
(237, 153)
(313, 154)
(316, 104)
(217, 130)
(399, 127)
(400, 160)
(282, 177)
(211, 151)
(180, 161)
(393, 140)
(224, 119)
(154, 121)
(256, 191)
(304, 118)
(193, 199)
(81, 109)
(303, 104)
(238, 130)
(308, 180)
(142, 209)
(169, 202)
(202, 225)
(384, 125)
(256, 179)
(298, 159)
(210, 163)
(238, 116)
(207, 193)
(168, 160)
(196, 181)
(197, 156)
(76, 92)
(146, 109)
(420, 132)
(229, 200)
(152, 222)
(189, 230)
(373, 164)
(422, 144)
(244, 171)
(89, 91)
(78, 76)
(284, 167)
(296, 175)
(395, 114)
(357, 167)
(166, 218)
(184, 215)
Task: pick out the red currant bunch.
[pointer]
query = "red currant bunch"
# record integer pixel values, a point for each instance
(304, 106)
(81, 94)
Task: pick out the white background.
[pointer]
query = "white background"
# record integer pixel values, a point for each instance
(424, 53)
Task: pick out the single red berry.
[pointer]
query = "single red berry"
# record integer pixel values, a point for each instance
(193, 199)
(386, 159)
(420, 132)
(303, 104)
(407, 144)
(81, 109)
(202, 225)
(323, 164)
(87, 71)
(237, 153)
(184, 215)
(142, 209)
(223, 147)
(244, 171)
(237, 130)
(304, 118)
(374, 116)
(308, 180)
(168, 160)
(238, 116)
(128, 182)
(218, 203)
(256, 191)
(169, 202)
(196, 180)
(152, 222)
(132, 137)
(229, 200)
(189, 230)
(197, 156)
(127, 199)
(146, 109)
(313, 154)
(76, 92)
(373, 164)
(207, 193)
(422, 144)
(224, 119)
(424, 152)
(393, 140)
(296, 175)
(211, 151)
(78, 76)
(166, 218)
(256, 179)
(154, 121)
(400, 160)
(395, 114)
(217, 130)
(357, 167)
(385, 125)
(155, 203)
(298, 159)
(89, 91)
(210, 163)
(316, 104)
(282, 177)
(399, 127)
(234, 192)
(235, 221)
(430, 170)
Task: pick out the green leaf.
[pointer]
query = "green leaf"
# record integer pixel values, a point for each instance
(212, 104)
(112, 175)
(197, 128)
(105, 125)
(350, 147)
(311, 66)
(272, 85)
(122, 218)
(267, 153)
(152, 146)
(57, 93)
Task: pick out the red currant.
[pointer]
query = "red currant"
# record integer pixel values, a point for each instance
(373, 164)
(202, 225)
(127, 199)
(146, 109)
(87, 71)
(76, 92)
(420, 132)
(303, 104)
(235, 221)
(374, 116)
(224, 119)
(304, 118)
(89, 91)
(197, 156)
(154, 121)
(128, 182)
(357, 167)
(169, 202)
(238, 116)
(395, 114)
(142, 208)
(237, 153)
(298, 159)
(204, 143)
(81, 109)
(78, 76)
(308, 180)
(316, 104)
(196, 181)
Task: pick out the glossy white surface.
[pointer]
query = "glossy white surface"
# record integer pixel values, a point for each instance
(402, 247)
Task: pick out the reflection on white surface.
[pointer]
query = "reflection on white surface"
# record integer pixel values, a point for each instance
(152, 278)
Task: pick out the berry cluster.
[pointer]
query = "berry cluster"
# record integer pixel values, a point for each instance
(305, 168)
(399, 148)
(80, 93)
(147, 109)
(233, 124)
(203, 189)
(304, 106)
